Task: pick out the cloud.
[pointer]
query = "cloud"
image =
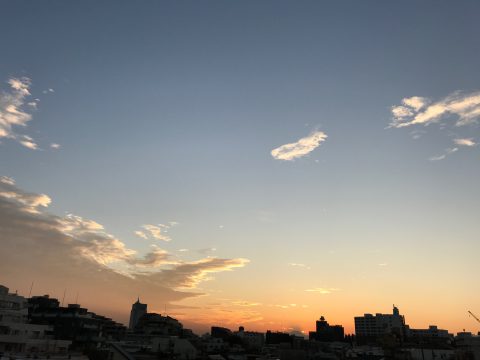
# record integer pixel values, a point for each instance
(11, 113)
(300, 148)
(208, 250)
(299, 265)
(464, 109)
(75, 250)
(189, 275)
(464, 142)
(141, 234)
(323, 291)
(437, 157)
(417, 134)
(245, 303)
(448, 151)
(157, 257)
(157, 232)
(28, 142)
(55, 146)
(28, 202)
(415, 102)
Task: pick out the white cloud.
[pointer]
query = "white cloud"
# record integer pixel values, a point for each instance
(464, 142)
(11, 113)
(463, 108)
(300, 148)
(29, 202)
(55, 146)
(28, 142)
(415, 102)
(141, 234)
(157, 232)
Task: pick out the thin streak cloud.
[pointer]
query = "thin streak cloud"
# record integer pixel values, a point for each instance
(465, 142)
(322, 291)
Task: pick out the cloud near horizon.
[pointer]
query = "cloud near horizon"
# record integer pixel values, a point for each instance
(298, 149)
(73, 250)
(322, 291)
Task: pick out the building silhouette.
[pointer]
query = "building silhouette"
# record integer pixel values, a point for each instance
(138, 310)
(18, 335)
(326, 332)
(371, 326)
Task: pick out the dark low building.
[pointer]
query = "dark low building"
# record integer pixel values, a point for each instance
(85, 329)
(326, 332)
(277, 337)
(156, 324)
(220, 332)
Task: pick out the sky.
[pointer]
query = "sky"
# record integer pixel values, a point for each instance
(255, 163)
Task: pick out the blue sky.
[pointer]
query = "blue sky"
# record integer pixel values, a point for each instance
(168, 112)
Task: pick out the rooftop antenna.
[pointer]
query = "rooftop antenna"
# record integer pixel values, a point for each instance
(64, 293)
(30, 292)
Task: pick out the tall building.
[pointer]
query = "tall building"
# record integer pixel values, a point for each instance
(372, 326)
(138, 310)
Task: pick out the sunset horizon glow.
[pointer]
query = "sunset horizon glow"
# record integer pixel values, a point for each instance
(256, 164)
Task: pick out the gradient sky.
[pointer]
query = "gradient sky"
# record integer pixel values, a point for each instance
(169, 113)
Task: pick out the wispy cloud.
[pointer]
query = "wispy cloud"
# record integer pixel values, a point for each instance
(141, 234)
(28, 142)
(188, 275)
(206, 251)
(29, 202)
(463, 109)
(245, 303)
(323, 291)
(12, 112)
(299, 265)
(55, 146)
(298, 149)
(448, 151)
(465, 142)
(156, 232)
